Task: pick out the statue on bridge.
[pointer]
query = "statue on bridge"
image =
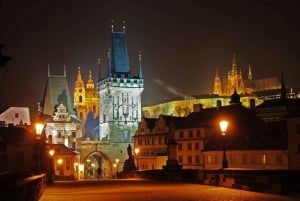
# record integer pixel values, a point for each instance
(129, 163)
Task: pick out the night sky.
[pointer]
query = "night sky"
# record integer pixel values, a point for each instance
(182, 43)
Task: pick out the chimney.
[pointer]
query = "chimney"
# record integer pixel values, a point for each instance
(198, 107)
(252, 104)
(219, 104)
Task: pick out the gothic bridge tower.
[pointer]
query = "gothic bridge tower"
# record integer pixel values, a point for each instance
(120, 94)
(120, 112)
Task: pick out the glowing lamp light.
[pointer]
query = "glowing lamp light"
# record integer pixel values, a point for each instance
(136, 150)
(59, 161)
(223, 126)
(51, 152)
(39, 128)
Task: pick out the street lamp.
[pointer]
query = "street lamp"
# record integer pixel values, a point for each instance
(117, 163)
(39, 129)
(137, 150)
(223, 126)
(51, 153)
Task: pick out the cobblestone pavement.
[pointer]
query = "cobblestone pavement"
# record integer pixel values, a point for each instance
(148, 190)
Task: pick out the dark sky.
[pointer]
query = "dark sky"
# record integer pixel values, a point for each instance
(182, 43)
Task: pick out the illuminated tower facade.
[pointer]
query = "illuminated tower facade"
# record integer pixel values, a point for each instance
(86, 97)
(233, 82)
(217, 84)
(120, 94)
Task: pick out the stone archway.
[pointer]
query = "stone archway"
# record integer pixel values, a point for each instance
(97, 166)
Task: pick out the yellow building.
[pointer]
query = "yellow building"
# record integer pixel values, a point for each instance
(86, 97)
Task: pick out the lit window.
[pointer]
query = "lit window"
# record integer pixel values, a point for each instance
(209, 159)
(264, 159)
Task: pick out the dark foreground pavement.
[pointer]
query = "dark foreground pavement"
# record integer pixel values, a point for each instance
(149, 190)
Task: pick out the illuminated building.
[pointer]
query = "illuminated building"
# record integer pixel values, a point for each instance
(86, 100)
(234, 82)
(119, 113)
(250, 142)
(249, 89)
(120, 94)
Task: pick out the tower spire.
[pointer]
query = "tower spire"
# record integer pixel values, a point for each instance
(99, 69)
(65, 73)
(48, 70)
(112, 25)
(109, 62)
(250, 73)
(140, 65)
(123, 22)
(234, 66)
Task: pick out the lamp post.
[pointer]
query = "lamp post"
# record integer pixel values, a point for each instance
(51, 153)
(137, 150)
(223, 126)
(117, 163)
(39, 129)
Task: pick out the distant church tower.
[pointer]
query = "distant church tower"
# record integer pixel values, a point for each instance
(120, 94)
(233, 82)
(217, 84)
(86, 97)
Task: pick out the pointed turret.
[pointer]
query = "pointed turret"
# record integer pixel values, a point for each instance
(234, 66)
(217, 84)
(283, 92)
(99, 69)
(140, 65)
(79, 82)
(109, 63)
(250, 73)
(90, 83)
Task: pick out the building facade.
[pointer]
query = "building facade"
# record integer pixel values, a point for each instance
(86, 98)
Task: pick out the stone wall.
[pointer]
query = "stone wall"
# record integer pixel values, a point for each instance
(28, 189)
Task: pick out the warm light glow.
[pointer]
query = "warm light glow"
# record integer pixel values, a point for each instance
(223, 126)
(117, 160)
(59, 161)
(136, 150)
(39, 128)
(51, 152)
(81, 167)
(115, 165)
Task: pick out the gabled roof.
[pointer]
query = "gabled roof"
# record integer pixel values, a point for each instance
(61, 149)
(57, 92)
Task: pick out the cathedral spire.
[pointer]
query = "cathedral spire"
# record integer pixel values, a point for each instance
(65, 73)
(283, 92)
(48, 70)
(234, 66)
(217, 84)
(112, 25)
(140, 65)
(99, 69)
(250, 73)
(109, 62)
(123, 22)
